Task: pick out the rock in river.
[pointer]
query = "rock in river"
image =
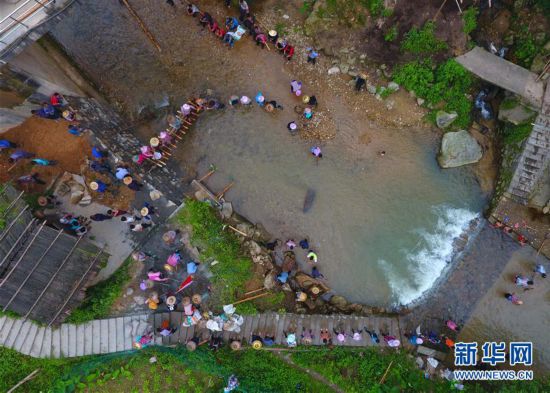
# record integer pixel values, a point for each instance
(457, 149)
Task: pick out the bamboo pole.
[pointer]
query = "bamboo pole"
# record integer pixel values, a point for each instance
(251, 298)
(27, 378)
(255, 290)
(383, 379)
(210, 173)
(222, 193)
(439, 10)
(142, 25)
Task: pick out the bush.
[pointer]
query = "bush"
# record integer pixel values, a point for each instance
(233, 270)
(101, 297)
(422, 41)
(514, 135)
(469, 18)
(525, 48)
(448, 83)
(391, 35)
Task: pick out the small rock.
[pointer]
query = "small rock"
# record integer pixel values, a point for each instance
(129, 291)
(371, 88)
(344, 50)
(270, 281)
(339, 302)
(344, 68)
(362, 57)
(139, 300)
(390, 104)
(383, 67)
(420, 101)
(351, 82)
(152, 359)
(285, 16)
(412, 94)
(286, 287)
(393, 86)
(334, 70)
(444, 119)
(353, 74)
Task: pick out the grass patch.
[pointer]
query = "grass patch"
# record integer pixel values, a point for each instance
(469, 18)
(391, 35)
(355, 370)
(509, 103)
(422, 41)
(101, 297)
(445, 84)
(14, 367)
(525, 47)
(307, 7)
(515, 135)
(233, 269)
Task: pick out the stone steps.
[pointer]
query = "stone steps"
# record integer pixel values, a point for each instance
(118, 334)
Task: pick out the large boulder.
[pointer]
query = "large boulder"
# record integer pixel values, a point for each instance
(457, 149)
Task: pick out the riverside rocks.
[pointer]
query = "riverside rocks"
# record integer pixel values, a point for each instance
(444, 119)
(457, 149)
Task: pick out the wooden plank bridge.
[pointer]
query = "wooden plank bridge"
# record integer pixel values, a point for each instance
(118, 334)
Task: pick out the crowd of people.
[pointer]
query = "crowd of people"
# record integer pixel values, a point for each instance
(234, 29)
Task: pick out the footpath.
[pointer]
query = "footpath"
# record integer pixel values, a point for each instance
(118, 334)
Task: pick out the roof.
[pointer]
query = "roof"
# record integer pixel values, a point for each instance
(43, 270)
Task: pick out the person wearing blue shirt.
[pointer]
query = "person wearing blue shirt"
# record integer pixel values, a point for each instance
(43, 162)
(5, 144)
(312, 55)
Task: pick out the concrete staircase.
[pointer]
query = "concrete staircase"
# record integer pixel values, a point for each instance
(69, 340)
(118, 334)
(533, 162)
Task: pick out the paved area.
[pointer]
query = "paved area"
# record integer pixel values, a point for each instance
(503, 73)
(117, 334)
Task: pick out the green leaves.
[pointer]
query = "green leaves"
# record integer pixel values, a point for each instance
(469, 18)
(422, 41)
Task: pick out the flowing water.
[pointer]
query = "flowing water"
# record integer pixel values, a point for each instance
(383, 227)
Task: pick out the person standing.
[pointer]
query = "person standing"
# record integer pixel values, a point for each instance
(312, 56)
(540, 270)
(243, 9)
(5, 144)
(316, 152)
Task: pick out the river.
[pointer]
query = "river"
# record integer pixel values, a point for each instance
(383, 227)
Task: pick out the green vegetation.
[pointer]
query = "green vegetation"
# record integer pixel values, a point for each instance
(514, 135)
(443, 86)
(360, 370)
(469, 17)
(3, 208)
(348, 11)
(307, 7)
(422, 41)
(525, 48)
(101, 297)
(509, 103)
(375, 7)
(391, 35)
(14, 367)
(233, 270)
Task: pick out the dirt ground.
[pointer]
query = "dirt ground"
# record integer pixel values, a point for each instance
(47, 139)
(496, 319)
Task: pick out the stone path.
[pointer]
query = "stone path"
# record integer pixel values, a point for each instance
(117, 334)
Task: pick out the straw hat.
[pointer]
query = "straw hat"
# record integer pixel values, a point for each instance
(293, 126)
(171, 300)
(127, 180)
(191, 345)
(305, 99)
(196, 298)
(186, 301)
(94, 186)
(154, 141)
(269, 107)
(302, 297)
(66, 113)
(144, 211)
(235, 345)
(272, 33)
(42, 201)
(168, 267)
(256, 344)
(363, 75)
(157, 155)
(315, 290)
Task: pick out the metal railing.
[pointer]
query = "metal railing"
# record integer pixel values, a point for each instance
(22, 19)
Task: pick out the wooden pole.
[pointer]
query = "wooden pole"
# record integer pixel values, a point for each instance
(222, 193)
(251, 298)
(207, 175)
(255, 290)
(236, 230)
(142, 25)
(27, 378)
(439, 10)
(383, 379)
